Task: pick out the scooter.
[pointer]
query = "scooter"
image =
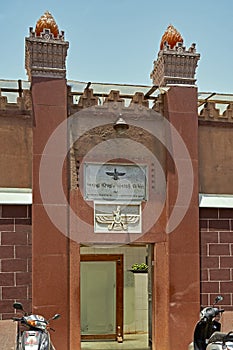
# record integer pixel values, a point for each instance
(207, 332)
(36, 336)
(220, 341)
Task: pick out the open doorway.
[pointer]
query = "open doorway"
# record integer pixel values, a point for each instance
(135, 299)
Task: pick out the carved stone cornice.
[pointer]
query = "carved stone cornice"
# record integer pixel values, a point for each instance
(138, 98)
(210, 113)
(23, 105)
(25, 102)
(87, 99)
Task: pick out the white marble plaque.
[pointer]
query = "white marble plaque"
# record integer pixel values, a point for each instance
(115, 182)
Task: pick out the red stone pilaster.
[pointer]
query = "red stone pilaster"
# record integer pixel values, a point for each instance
(178, 256)
(45, 63)
(50, 272)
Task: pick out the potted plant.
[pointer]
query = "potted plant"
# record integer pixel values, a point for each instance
(139, 268)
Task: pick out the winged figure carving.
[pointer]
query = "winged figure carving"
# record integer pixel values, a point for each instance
(115, 174)
(117, 221)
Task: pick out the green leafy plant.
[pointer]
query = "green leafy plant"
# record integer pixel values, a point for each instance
(139, 267)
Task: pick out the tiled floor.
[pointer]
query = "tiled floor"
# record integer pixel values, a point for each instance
(131, 341)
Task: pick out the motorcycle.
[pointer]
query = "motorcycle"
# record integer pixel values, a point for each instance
(207, 332)
(36, 336)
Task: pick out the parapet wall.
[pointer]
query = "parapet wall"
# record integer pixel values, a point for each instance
(211, 107)
(215, 114)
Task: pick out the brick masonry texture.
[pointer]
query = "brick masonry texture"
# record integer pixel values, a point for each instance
(15, 258)
(216, 254)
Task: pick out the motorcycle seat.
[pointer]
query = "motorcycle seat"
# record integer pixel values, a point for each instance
(220, 336)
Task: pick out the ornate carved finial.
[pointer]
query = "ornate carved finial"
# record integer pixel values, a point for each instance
(46, 50)
(47, 22)
(171, 37)
(175, 64)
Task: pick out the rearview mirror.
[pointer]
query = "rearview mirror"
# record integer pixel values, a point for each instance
(18, 306)
(55, 317)
(218, 299)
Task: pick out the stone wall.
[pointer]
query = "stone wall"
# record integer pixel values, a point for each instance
(15, 258)
(16, 140)
(215, 157)
(216, 228)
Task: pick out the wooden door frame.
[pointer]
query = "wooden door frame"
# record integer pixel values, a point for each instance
(118, 258)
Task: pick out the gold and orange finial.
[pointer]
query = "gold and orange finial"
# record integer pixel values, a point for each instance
(47, 22)
(171, 36)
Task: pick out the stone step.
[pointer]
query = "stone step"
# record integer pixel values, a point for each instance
(8, 333)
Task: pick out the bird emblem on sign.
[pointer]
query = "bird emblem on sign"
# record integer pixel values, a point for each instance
(115, 174)
(117, 221)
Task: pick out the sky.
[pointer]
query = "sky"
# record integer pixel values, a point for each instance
(116, 41)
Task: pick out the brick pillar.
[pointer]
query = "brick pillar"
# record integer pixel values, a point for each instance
(177, 280)
(45, 63)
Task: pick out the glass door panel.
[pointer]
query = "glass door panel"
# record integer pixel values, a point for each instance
(98, 297)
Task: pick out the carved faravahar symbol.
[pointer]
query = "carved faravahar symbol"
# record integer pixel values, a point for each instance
(115, 174)
(117, 221)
